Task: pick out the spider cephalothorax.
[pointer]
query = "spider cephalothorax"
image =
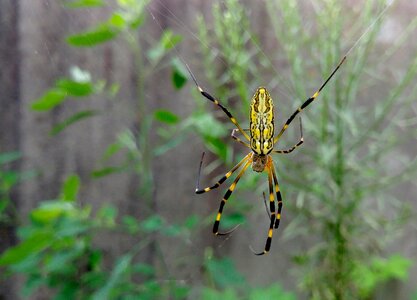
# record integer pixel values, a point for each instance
(259, 162)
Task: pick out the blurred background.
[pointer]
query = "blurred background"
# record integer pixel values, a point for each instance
(102, 131)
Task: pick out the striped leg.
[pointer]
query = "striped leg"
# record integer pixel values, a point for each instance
(224, 200)
(308, 101)
(223, 179)
(279, 197)
(272, 215)
(238, 139)
(215, 101)
(295, 146)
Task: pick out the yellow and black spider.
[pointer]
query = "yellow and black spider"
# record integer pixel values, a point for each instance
(261, 141)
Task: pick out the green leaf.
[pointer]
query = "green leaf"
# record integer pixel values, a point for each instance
(69, 290)
(144, 269)
(73, 226)
(216, 146)
(49, 211)
(120, 268)
(166, 116)
(179, 74)
(367, 277)
(172, 230)
(27, 265)
(33, 282)
(70, 188)
(169, 40)
(272, 292)
(9, 157)
(106, 171)
(111, 150)
(117, 20)
(207, 125)
(224, 273)
(212, 294)
(95, 258)
(71, 120)
(36, 243)
(101, 34)
(178, 79)
(156, 53)
(136, 22)
(152, 223)
(75, 88)
(191, 222)
(126, 3)
(61, 260)
(107, 214)
(160, 150)
(114, 89)
(49, 100)
(131, 224)
(232, 220)
(396, 266)
(84, 3)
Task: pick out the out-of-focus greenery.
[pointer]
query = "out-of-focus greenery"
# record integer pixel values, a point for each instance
(8, 179)
(57, 248)
(57, 251)
(342, 188)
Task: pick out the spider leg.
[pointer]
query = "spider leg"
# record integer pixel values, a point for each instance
(272, 215)
(198, 190)
(215, 101)
(279, 197)
(308, 101)
(295, 146)
(238, 139)
(225, 198)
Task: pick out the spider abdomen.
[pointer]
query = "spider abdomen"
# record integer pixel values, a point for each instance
(262, 122)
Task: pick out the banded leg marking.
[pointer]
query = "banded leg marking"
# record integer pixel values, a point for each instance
(308, 101)
(279, 197)
(272, 215)
(296, 145)
(215, 101)
(224, 200)
(223, 179)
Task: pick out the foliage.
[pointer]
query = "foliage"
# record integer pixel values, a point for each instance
(348, 205)
(341, 182)
(368, 277)
(228, 41)
(9, 179)
(57, 251)
(228, 283)
(57, 248)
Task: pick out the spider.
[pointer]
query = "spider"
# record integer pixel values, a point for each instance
(261, 141)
